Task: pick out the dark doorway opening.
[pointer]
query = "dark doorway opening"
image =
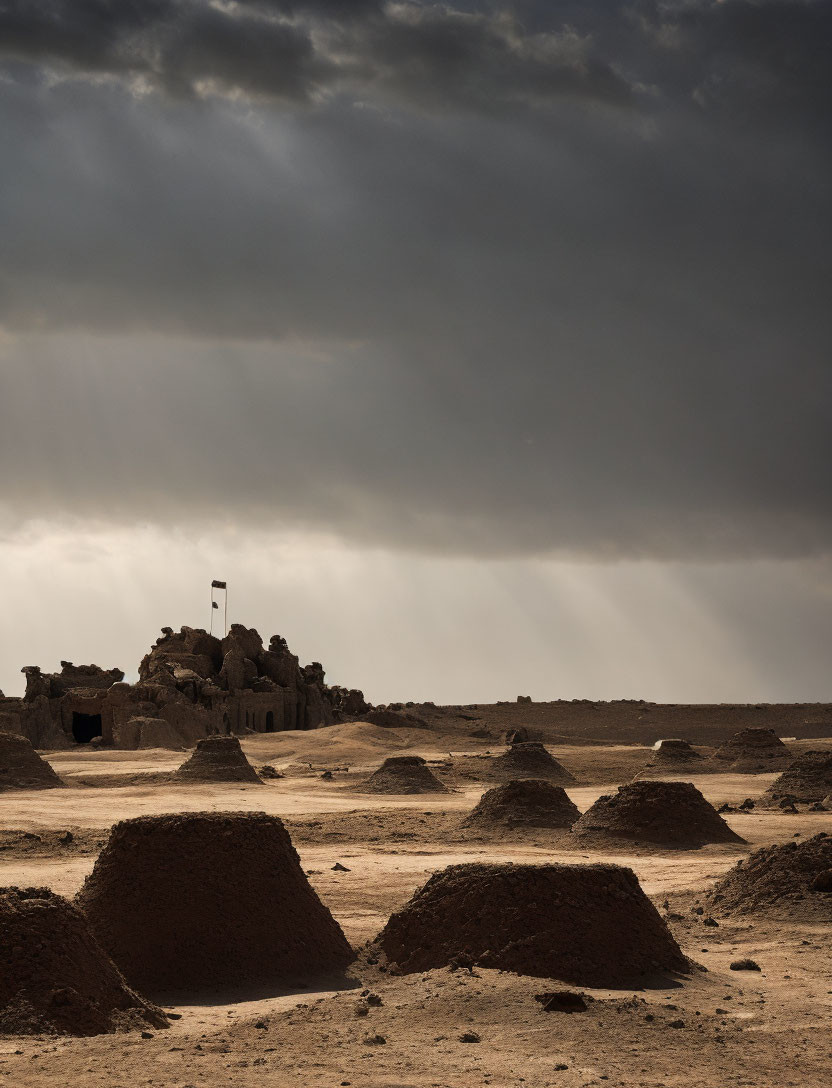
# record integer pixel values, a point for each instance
(85, 726)
(269, 721)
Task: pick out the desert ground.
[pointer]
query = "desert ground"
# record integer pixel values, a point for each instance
(715, 1026)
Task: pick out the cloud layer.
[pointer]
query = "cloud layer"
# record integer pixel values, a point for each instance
(481, 278)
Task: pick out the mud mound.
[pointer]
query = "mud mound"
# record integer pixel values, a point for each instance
(394, 719)
(809, 778)
(585, 924)
(217, 759)
(525, 802)
(753, 751)
(793, 880)
(21, 768)
(665, 813)
(205, 900)
(529, 759)
(403, 774)
(54, 975)
(675, 757)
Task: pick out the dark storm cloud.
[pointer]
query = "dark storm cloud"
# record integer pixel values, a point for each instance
(450, 277)
(300, 49)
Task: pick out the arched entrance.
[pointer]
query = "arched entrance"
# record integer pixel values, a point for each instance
(269, 721)
(85, 726)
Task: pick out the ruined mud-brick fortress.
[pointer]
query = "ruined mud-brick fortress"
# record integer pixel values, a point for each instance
(191, 685)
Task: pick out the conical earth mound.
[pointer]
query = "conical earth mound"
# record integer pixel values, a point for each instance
(791, 881)
(21, 768)
(54, 975)
(664, 813)
(529, 759)
(525, 802)
(217, 759)
(586, 924)
(403, 774)
(753, 751)
(808, 778)
(675, 757)
(206, 900)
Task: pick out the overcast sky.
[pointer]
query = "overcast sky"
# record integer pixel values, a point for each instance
(484, 346)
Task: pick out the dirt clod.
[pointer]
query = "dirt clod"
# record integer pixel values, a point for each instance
(562, 1001)
(403, 774)
(529, 759)
(21, 768)
(779, 880)
(753, 751)
(54, 976)
(586, 924)
(204, 900)
(217, 759)
(807, 779)
(666, 813)
(525, 802)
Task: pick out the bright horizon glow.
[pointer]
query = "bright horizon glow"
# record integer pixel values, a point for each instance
(407, 627)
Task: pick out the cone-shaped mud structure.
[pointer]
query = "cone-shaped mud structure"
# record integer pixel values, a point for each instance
(21, 768)
(403, 774)
(664, 813)
(206, 900)
(808, 778)
(529, 759)
(217, 759)
(675, 757)
(790, 881)
(753, 751)
(525, 802)
(586, 924)
(54, 975)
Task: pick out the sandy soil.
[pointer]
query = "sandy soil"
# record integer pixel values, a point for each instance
(718, 1027)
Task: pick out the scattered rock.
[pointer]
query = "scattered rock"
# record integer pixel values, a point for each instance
(562, 1001)
(744, 965)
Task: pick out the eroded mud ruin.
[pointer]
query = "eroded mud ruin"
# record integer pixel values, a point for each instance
(191, 685)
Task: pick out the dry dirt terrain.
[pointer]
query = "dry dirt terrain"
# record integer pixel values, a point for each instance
(714, 1026)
